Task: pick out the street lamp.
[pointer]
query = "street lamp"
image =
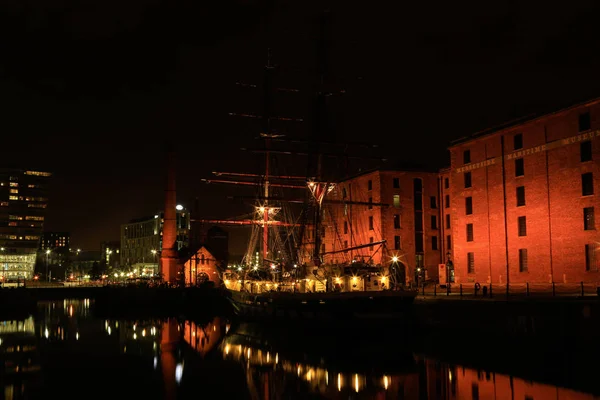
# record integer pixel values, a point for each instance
(154, 252)
(449, 268)
(47, 254)
(5, 267)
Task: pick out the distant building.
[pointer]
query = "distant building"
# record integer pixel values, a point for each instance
(23, 201)
(54, 240)
(110, 255)
(56, 252)
(141, 241)
(84, 262)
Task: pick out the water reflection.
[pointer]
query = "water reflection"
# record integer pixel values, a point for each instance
(65, 351)
(270, 375)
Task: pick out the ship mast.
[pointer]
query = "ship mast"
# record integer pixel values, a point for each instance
(265, 210)
(266, 133)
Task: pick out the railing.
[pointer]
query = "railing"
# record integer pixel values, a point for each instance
(521, 290)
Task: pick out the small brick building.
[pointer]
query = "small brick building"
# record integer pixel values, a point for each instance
(202, 266)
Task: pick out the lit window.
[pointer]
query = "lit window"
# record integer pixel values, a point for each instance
(37, 173)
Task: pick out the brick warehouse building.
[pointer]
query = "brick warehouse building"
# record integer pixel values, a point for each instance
(400, 207)
(522, 200)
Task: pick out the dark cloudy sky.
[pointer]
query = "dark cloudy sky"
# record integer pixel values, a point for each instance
(92, 90)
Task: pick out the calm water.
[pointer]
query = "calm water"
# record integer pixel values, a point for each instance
(65, 351)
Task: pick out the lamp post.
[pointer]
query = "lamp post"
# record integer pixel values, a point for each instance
(394, 273)
(449, 268)
(155, 268)
(4, 267)
(47, 255)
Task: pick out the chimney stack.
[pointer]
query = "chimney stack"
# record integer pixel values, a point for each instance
(169, 256)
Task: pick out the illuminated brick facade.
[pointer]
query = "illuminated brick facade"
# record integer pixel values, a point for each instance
(202, 267)
(400, 207)
(523, 200)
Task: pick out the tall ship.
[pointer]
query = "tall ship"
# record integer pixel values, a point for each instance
(288, 270)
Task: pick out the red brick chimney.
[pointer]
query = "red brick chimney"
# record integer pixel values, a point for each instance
(169, 256)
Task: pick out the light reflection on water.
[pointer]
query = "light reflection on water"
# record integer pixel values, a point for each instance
(66, 350)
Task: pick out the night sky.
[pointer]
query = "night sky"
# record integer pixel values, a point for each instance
(93, 90)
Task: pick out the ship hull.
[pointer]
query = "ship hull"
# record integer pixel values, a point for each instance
(383, 305)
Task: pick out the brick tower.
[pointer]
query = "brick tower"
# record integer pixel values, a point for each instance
(169, 256)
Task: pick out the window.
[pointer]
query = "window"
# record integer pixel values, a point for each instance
(418, 243)
(446, 183)
(396, 183)
(588, 219)
(447, 201)
(346, 227)
(590, 257)
(397, 243)
(471, 263)
(475, 391)
(584, 122)
(518, 141)
(434, 243)
(469, 232)
(418, 202)
(418, 185)
(369, 185)
(434, 222)
(522, 226)
(520, 196)
(371, 241)
(433, 201)
(587, 184)
(448, 242)
(397, 200)
(519, 167)
(467, 180)
(370, 223)
(419, 222)
(468, 205)
(344, 194)
(345, 244)
(396, 221)
(370, 203)
(585, 150)
(466, 156)
(522, 260)
(447, 221)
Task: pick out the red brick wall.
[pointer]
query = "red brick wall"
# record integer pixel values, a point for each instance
(382, 191)
(555, 238)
